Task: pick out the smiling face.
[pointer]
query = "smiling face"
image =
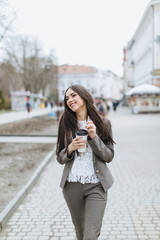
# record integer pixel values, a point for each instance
(74, 101)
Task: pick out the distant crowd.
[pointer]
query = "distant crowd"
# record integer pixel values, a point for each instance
(103, 106)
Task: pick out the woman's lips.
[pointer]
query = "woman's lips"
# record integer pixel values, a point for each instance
(72, 105)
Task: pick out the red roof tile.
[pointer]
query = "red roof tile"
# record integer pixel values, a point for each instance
(69, 69)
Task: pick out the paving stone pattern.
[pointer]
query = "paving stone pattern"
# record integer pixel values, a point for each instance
(133, 209)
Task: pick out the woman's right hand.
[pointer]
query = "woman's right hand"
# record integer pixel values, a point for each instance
(77, 143)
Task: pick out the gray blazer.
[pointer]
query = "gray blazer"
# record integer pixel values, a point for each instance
(102, 154)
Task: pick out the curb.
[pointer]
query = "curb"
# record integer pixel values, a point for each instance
(11, 207)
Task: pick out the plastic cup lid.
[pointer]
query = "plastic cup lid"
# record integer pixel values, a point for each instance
(82, 132)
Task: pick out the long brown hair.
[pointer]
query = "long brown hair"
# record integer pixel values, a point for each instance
(68, 122)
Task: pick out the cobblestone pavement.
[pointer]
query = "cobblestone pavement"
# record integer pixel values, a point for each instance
(133, 210)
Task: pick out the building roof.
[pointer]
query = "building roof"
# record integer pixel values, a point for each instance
(21, 93)
(27, 94)
(70, 69)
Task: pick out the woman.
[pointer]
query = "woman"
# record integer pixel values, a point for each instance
(86, 177)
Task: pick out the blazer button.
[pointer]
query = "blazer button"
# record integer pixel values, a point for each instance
(97, 171)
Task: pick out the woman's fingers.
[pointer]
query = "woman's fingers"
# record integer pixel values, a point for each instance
(79, 142)
(90, 124)
(91, 128)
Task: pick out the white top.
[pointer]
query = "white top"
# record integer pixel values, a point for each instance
(82, 169)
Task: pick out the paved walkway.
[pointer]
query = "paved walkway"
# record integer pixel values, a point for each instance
(19, 115)
(133, 210)
(26, 139)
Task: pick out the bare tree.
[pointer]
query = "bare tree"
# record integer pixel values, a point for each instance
(24, 63)
(9, 78)
(36, 70)
(7, 17)
(48, 78)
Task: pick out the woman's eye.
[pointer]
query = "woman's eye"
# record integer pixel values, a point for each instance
(73, 95)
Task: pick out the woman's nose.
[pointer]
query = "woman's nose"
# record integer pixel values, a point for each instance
(70, 99)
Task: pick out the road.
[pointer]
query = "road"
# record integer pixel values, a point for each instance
(133, 209)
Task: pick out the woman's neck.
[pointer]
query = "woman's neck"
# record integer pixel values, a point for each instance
(82, 116)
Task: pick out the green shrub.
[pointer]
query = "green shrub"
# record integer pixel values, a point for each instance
(2, 100)
(7, 103)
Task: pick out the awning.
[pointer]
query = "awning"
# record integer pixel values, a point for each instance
(143, 89)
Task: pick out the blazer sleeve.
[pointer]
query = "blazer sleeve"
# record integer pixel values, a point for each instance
(63, 158)
(104, 152)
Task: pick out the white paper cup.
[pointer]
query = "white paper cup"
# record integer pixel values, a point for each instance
(82, 133)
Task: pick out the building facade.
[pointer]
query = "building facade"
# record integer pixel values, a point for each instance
(142, 53)
(75, 74)
(101, 84)
(19, 99)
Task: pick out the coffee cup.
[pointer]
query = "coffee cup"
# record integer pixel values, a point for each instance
(82, 133)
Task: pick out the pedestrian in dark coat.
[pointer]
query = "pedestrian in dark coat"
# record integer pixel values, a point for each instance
(28, 106)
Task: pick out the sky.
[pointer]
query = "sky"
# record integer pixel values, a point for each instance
(87, 32)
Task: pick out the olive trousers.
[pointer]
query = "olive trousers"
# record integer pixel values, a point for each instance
(86, 203)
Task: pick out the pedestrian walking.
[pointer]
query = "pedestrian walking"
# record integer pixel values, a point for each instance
(102, 108)
(51, 104)
(86, 177)
(28, 106)
(115, 104)
(109, 105)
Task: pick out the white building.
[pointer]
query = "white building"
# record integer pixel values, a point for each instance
(75, 74)
(142, 54)
(101, 84)
(19, 99)
(112, 87)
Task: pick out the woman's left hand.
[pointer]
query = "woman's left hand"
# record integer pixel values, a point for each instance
(91, 128)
